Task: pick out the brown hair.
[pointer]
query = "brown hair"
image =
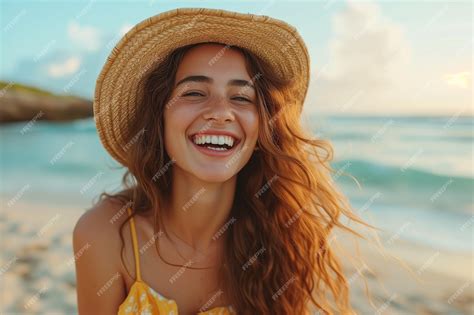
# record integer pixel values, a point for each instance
(286, 204)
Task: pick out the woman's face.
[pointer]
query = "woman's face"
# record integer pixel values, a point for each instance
(212, 95)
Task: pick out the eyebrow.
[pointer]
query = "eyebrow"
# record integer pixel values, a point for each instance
(205, 79)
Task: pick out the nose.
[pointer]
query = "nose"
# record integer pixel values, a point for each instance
(220, 111)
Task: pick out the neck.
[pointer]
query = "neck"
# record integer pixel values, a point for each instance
(197, 210)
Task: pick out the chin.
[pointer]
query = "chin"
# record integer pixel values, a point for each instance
(215, 176)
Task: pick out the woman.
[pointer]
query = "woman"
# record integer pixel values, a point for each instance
(228, 204)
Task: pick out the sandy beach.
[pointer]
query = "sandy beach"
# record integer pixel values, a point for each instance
(406, 278)
(37, 268)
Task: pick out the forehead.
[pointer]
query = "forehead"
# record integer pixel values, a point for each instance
(213, 60)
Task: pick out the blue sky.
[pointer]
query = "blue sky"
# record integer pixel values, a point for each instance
(368, 57)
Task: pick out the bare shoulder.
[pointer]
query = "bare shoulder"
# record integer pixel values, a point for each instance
(100, 225)
(104, 217)
(97, 246)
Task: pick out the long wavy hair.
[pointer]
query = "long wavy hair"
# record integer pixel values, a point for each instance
(277, 254)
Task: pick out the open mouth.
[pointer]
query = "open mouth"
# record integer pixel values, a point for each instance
(215, 143)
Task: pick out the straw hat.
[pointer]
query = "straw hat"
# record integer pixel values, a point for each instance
(148, 42)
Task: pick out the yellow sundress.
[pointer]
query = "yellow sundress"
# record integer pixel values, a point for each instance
(143, 300)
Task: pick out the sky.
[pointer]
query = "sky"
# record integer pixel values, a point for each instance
(367, 57)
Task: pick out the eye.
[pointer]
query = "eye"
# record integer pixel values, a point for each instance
(241, 99)
(193, 94)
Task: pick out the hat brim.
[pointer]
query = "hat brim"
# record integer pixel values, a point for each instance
(151, 40)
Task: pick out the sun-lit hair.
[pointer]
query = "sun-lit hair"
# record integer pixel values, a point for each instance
(278, 258)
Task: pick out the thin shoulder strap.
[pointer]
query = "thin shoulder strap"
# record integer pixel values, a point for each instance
(133, 232)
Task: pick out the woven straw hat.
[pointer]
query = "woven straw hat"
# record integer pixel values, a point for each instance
(149, 41)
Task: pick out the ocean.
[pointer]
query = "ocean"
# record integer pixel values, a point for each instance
(416, 174)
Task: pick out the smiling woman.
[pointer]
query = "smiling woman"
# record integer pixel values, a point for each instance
(230, 203)
(210, 102)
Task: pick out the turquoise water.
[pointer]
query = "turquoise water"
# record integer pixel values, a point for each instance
(416, 174)
(56, 162)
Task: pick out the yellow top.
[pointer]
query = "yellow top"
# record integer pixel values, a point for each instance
(143, 300)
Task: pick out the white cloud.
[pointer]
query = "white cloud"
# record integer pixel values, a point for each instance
(366, 56)
(367, 46)
(65, 68)
(125, 28)
(461, 79)
(372, 69)
(85, 37)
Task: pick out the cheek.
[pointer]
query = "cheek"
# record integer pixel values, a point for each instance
(250, 124)
(178, 117)
(176, 121)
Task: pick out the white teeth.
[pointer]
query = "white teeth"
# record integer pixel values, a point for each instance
(217, 149)
(221, 140)
(214, 139)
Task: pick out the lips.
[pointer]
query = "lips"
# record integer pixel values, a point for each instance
(236, 140)
(216, 133)
(210, 132)
(215, 153)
